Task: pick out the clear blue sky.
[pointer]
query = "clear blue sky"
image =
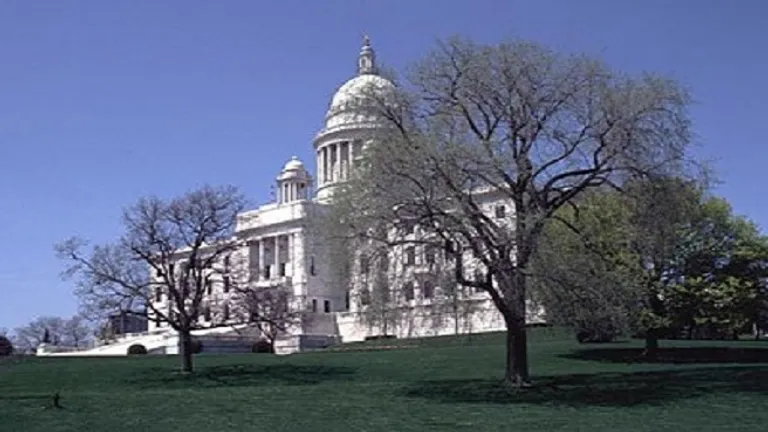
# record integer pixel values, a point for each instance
(104, 102)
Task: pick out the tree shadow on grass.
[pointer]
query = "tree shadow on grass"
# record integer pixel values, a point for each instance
(242, 376)
(604, 389)
(674, 355)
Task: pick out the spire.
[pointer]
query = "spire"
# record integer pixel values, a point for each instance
(366, 62)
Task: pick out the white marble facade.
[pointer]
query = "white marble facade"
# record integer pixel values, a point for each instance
(280, 251)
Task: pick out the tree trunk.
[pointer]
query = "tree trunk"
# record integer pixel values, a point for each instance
(185, 349)
(516, 372)
(455, 319)
(651, 344)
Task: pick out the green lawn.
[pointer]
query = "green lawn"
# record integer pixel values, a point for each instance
(430, 384)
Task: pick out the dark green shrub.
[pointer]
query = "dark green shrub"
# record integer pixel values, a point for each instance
(263, 346)
(379, 337)
(137, 349)
(6, 347)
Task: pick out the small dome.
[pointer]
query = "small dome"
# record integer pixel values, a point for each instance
(293, 164)
(294, 168)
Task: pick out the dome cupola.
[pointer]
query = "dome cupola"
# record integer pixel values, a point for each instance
(294, 182)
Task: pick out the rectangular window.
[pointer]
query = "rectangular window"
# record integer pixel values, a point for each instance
(429, 254)
(226, 284)
(501, 211)
(327, 306)
(410, 256)
(266, 272)
(427, 289)
(346, 301)
(208, 286)
(314, 305)
(364, 264)
(226, 311)
(281, 269)
(312, 265)
(226, 263)
(207, 314)
(479, 277)
(408, 290)
(449, 249)
(158, 294)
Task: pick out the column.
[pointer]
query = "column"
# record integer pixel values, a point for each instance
(262, 263)
(346, 151)
(277, 256)
(334, 161)
(326, 171)
(319, 166)
(291, 251)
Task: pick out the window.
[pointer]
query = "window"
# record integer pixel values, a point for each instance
(429, 254)
(365, 263)
(410, 256)
(365, 297)
(226, 311)
(409, 227)
(159, 273)
(208, 286)
(384, 290)
(312, 265)
(314, 305)
(327, 306)
(427, 289)
(479, 277)
(449, 249)
(226, 263)
(346, 301)
(170, 269)
(408, 290)
(266, 272)
(281, 269)
(226, 284)
(207, 313)
(501, 211)
(158, 294)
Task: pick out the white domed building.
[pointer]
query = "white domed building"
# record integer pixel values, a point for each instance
(280, 251)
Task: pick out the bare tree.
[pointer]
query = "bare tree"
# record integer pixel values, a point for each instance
(162, 265)
(270, 309)
(34, 333)
(513, 124)
(76, 332)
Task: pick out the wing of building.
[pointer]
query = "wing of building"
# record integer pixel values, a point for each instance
(280, 250)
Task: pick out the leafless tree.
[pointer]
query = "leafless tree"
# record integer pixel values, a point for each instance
(33, 334)
(76, 331)
(511, 123)
(163, 264)
(271, 309)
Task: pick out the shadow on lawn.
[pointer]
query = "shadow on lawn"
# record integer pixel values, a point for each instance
(242, 376)
(674, 355)
(608, 389)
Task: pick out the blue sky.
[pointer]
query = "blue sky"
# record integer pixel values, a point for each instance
(104, 102)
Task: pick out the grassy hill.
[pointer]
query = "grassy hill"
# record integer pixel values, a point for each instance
(428, 384)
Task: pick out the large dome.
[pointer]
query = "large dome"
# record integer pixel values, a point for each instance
(356, 103)
(354, 92)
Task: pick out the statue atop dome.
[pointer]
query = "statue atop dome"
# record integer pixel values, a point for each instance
(366, 62)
